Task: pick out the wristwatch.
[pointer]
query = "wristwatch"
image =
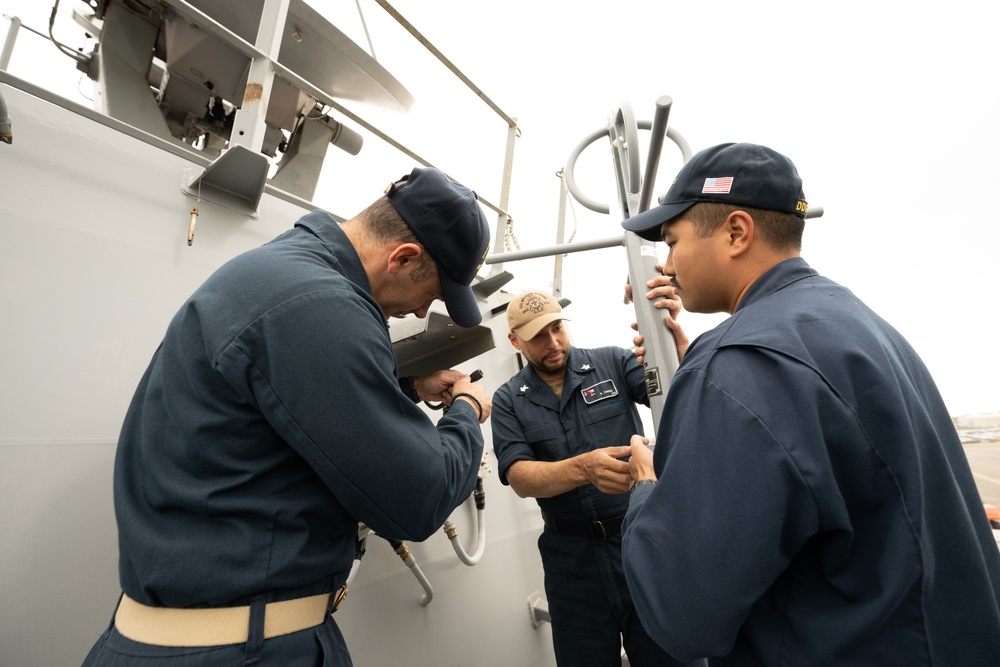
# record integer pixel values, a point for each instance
(643, 481)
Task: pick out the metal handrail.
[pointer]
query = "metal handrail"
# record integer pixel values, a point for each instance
(447, 63)
(210, 25)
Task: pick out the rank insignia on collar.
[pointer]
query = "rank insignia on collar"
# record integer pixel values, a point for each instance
(524, 387)
(585, 367)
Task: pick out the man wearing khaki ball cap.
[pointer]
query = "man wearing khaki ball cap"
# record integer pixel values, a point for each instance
(561, 429)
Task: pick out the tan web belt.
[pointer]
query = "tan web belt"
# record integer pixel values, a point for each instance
(168, 626)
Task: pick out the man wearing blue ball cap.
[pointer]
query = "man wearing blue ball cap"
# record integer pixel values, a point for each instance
(813, 504)
(270, 422)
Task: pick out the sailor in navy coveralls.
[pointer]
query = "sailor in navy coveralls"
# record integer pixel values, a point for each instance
(560, 428)
(816, 497)
(271, 421)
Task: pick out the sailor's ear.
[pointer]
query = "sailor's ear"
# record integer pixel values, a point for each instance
(740, 231)
(404, 255)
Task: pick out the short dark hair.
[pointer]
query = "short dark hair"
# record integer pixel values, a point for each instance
(384, 224)
(781, 231)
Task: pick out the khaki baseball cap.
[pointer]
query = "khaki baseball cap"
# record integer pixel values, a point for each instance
(529, 312)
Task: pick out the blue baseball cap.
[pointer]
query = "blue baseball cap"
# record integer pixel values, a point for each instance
(739, 174)
(449, 222)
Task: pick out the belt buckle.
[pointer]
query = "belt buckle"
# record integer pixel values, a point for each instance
(339, 597)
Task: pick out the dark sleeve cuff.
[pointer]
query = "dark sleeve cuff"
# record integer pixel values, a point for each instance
(406, 384)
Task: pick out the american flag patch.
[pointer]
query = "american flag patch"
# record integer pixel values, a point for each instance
(718, 185)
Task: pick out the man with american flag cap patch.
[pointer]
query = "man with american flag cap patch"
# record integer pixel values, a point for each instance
(807, 475)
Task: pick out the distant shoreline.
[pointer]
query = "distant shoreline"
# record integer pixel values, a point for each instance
(978, 428)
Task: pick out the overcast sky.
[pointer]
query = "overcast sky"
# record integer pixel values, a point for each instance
(888, 109)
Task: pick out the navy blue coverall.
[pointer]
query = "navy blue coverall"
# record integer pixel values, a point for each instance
(590, 606)
(814, 495)
(269, 422)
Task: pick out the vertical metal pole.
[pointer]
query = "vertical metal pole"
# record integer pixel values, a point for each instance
(248, 126)
(8, 45)
(661, 350)
(560, 231)
(502, 217)
(659, 131)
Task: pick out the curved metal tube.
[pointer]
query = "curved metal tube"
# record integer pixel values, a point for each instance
(571, 178)
(625, 150)
(404, 554)
(574, 189)
(428, 595)
(449, 528)
(479, 547)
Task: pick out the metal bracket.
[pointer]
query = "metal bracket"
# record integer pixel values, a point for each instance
(538, 610)
(234, 181)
